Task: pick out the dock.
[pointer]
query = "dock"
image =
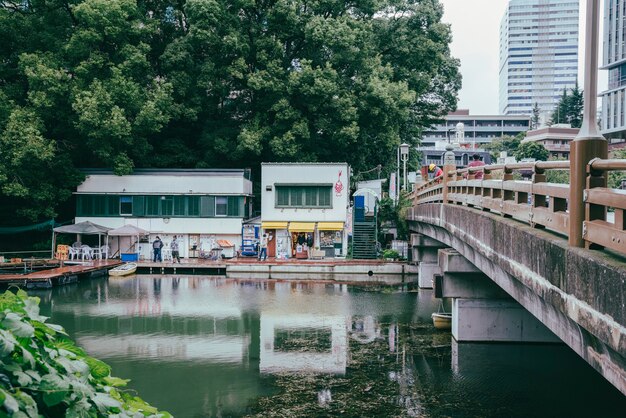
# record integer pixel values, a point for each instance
(63, 274)
(337, 270)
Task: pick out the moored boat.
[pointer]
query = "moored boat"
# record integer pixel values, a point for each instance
(123, 270)
(442, 320)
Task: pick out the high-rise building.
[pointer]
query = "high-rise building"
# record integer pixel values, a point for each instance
(612, 123)
(538, 54)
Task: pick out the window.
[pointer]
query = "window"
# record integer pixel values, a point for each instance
(167, 205)
(304, 196)
(126, 205)
(194, 205)
(221, 206)
(152, 205)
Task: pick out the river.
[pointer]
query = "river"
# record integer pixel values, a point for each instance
(214, 347)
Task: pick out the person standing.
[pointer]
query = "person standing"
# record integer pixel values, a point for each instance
(156, 248)
(175, 253)
(263, 252)
(476, 162)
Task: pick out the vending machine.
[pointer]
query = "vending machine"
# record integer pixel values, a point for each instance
(250, 240)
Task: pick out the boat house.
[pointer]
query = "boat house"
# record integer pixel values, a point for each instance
(199, 206)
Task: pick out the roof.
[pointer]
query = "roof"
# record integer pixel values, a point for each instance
(551, 133)
(304, 163)
(128, 231)
(172, 171)
(87, 228)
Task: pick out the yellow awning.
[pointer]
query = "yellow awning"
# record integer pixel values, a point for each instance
(301, 226)
(273, 225)
(330, 226)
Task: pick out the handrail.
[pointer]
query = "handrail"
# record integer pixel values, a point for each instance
(607, 165)
(537, 202)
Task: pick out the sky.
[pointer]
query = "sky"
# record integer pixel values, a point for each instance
(476, 38)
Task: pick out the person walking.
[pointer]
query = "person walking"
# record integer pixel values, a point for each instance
(175, 253)
(156, 248)
(476, 162)
(263, 252)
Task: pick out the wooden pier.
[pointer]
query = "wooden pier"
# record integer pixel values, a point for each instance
(65, 273)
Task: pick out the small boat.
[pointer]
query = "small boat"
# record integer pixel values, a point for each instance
(442, 320)
(123, 270)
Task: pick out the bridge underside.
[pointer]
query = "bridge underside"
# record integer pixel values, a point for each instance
(580, 295)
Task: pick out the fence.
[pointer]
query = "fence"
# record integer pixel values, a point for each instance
(537, 202)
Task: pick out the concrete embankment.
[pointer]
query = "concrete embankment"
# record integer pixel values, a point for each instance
(384, 273)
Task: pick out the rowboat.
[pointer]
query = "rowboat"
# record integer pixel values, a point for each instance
(123, 270)
(442, 320)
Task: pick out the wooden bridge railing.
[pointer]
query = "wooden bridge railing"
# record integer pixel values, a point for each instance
(536, 201)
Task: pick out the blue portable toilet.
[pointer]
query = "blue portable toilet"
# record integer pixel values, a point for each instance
(359, 208)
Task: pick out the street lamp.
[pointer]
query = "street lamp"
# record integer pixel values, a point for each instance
(404, 154)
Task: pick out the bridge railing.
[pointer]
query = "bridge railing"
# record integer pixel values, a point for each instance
(597, 229)
(536, 201)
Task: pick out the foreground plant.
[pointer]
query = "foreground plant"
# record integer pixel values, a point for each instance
(43, 373)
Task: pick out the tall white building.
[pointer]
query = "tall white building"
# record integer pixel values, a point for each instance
(538, 54)
(614, 48)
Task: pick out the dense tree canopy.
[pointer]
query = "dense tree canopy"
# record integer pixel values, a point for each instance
(211, 83)
(532, 150)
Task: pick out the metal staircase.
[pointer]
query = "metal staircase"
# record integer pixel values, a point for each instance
(364, 233)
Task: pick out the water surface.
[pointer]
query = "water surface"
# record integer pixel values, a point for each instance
(206, 346)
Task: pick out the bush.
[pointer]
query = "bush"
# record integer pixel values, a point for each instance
(393, 254)
(43, 373)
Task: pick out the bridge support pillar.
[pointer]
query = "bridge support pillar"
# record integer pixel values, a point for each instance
(481, 310)
(425, 253)
(496, 320)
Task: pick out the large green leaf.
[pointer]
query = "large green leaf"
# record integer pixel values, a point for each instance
(17, 325)
(7, 343)
(9, 403)
(98, 368)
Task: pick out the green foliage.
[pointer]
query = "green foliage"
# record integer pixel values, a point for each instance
(396, 214)
(221, 83)
(391, 254)
(507, 143)
(44, 374)
(570, 108)
(535, 117)
(614, 180)
(532, 150)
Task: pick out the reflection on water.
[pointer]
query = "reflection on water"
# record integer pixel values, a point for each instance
(206, 346)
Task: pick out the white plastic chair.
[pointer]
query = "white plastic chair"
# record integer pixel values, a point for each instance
(86, 252)
(73, 253)
(100, 252)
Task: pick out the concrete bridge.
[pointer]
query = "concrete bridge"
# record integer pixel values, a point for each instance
(517, 269)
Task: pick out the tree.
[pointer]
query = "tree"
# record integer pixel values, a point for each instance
(569, 109)
(221, 83)
(534, 120)
(508, 144)
(532, 150)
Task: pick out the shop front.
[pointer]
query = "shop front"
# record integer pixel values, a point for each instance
(302, 238)
(278, 245)
(331, 238)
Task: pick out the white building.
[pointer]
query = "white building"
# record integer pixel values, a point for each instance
(305, 203)
(201, 206)
(478, 130)
(538, 54)
(613, 124)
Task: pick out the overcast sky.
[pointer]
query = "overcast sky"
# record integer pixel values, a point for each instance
(476, 31)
